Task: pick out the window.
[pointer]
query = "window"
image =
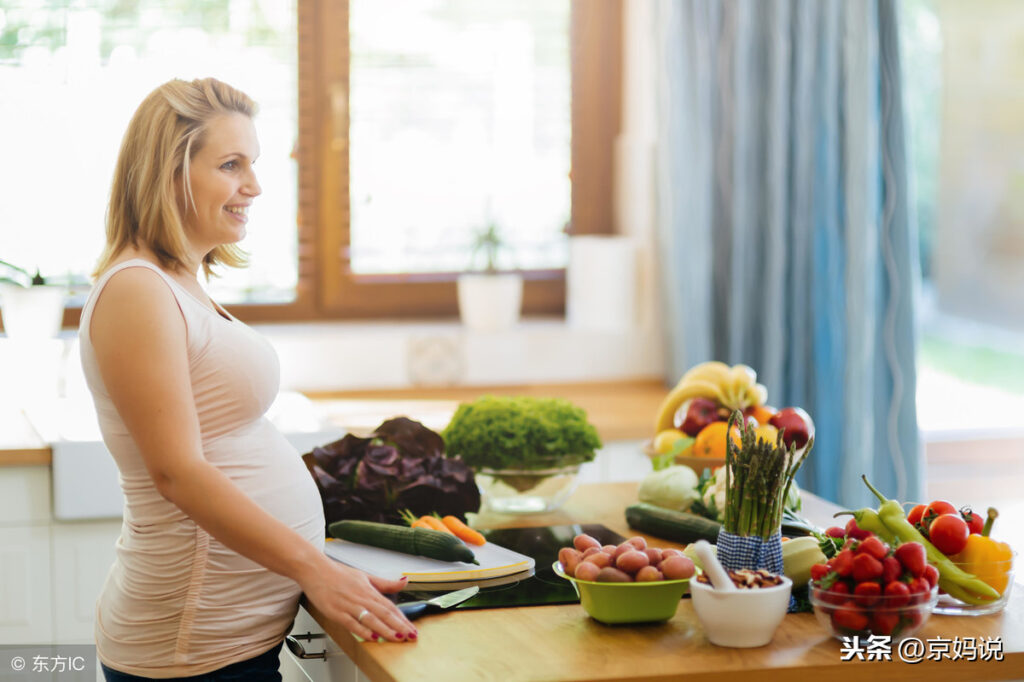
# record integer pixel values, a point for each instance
(70, 66)
(962, 66)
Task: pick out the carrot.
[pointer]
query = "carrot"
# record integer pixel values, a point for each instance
(434, 523)
(462, 531)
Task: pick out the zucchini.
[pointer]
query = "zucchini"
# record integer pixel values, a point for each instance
(419, 541)
(669, 524)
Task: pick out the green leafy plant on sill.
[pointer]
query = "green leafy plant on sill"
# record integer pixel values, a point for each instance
(521, 432)
(12, 274)
(490, 242)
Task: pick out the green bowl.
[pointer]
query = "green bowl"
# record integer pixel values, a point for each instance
(628, 602)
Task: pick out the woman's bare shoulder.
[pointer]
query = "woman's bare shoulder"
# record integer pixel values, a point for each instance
(135, 299)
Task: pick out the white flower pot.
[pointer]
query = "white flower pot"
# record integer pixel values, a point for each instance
(490, 302)
(32, 313)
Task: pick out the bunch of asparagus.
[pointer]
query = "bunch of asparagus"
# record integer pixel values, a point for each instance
(758, 475)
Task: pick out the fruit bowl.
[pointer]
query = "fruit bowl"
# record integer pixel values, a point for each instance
(612, 603)
(846, 615)
(998, 574)
(698, 464)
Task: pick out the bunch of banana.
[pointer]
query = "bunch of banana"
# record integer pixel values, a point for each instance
(735, 388)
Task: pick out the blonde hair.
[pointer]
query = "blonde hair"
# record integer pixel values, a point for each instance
(165, 133)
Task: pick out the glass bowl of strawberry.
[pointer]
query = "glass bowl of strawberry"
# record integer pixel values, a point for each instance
(869, 588)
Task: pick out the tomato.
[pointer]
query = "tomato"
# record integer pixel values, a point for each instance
(915, 514)
(934, 510)
(949, 533)
(974, 521)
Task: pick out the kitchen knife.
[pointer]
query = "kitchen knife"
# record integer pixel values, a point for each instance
(415, 609)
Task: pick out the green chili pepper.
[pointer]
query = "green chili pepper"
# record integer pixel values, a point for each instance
(868, 519)
(950, 575)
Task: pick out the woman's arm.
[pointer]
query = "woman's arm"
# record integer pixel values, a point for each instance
(139, 337)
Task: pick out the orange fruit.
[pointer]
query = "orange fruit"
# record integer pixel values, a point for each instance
(710, 441)
(767, 433)
(762, 413)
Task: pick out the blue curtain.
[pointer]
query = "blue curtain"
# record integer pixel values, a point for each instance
(785, 235)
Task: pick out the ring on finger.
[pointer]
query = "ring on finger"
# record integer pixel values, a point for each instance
(362, 614)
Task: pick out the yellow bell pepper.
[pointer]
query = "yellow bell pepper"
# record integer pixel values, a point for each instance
(987, 559)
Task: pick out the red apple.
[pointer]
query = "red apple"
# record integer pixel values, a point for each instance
(700, 413)
(795, 424)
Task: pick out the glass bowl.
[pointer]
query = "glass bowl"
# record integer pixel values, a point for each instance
(526, 491)
(614, 603)
(846, 615)
(998, 574)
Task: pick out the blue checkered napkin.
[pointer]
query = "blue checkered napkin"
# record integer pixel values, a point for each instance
(738, 551)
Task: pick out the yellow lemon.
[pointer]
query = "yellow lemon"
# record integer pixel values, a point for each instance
(664, 441)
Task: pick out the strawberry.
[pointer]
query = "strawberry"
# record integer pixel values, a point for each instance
(866, 567)
(931, 574)
(837, 593)
(892, 569)
(913, 557)
(835, 532)
(896, 594)
(842, 563)
(849, 617)
(874, 547)
(819, 571)
(856, 532)
(883, 622)
(870, 591)
(919, 590)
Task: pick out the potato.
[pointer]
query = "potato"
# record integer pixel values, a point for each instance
(591, 550)
(638, 542)
(649, 574)
(587, 571)
(613, 575)
(666, 553)
(623, 548)
(570, 559)
(677, 568)
(631, 561)
(599, 559)
(582, 541)
(654, 554)
(610, 549)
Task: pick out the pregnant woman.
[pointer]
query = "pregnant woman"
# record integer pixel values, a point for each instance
(223, 526)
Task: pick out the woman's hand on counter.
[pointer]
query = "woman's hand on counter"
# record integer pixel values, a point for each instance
(341, 593)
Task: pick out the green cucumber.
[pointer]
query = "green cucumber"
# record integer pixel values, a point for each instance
(419, 541)
(668, 524)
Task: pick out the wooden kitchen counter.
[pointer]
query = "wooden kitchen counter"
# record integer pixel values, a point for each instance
(563, 643)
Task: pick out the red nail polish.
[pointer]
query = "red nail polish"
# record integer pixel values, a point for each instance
(412, 636)
(374, 636)
(399, 635)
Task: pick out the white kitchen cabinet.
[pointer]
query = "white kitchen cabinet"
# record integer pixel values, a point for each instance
(24, 496)
(83, 553)
(336, 667)
(26, 604)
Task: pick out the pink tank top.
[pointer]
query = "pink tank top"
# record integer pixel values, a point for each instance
(177, 602)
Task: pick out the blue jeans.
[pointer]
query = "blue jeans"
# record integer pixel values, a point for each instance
(262, 668)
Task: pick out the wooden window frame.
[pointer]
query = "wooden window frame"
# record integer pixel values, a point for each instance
(327, 289)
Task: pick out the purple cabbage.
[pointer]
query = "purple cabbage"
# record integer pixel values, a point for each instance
(401, 465)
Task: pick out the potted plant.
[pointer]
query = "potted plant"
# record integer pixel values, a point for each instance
(489, 300)
(32, 308)
(526, 451)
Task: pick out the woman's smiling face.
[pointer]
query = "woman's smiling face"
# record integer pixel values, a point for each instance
(223, 183)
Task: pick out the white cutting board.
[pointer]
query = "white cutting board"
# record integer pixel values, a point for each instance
(495, 562)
